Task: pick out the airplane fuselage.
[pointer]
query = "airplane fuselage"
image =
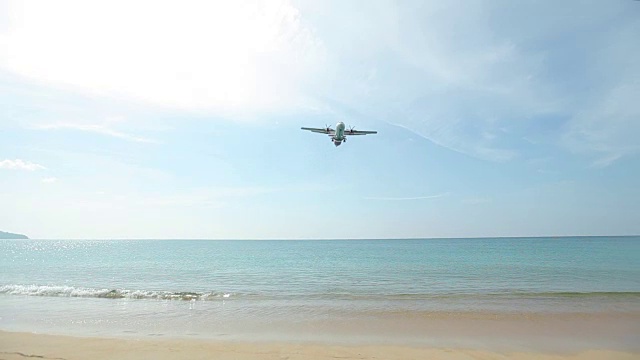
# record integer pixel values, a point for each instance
(339, 137)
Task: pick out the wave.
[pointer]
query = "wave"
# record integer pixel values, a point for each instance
(70, 291)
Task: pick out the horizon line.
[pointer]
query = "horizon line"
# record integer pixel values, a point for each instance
(341, 239)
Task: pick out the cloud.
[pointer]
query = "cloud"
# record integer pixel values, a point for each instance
(196, 55)
(476, 77)
(407, 198)
(95, 128)
(49, 180)
(479, 77)
(606, 122)
(20, 165)
(442, 70)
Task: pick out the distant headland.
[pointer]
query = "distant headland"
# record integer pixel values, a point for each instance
(8, 235)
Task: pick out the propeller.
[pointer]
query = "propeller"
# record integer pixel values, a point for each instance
(351, 128)
(327, 127)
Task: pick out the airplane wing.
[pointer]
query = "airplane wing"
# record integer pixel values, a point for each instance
(328, 131)
(359, 132)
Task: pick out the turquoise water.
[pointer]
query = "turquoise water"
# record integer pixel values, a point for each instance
(187, 287)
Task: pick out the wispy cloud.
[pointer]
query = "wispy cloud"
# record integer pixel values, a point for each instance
(463, 92)
(18, 164)
(609, 128)
(407, 198)
(606, 123)
(481, 87)
(95, 128)
(49, 180)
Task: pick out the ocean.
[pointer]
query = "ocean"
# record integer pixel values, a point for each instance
(269, 289)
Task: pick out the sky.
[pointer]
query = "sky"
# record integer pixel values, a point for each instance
(181, 120)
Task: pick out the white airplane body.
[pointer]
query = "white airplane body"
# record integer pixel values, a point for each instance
(339, 135)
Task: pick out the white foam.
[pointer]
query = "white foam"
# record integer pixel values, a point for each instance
(70, 291)
(39, 290)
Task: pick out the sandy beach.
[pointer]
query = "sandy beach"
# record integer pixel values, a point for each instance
(25, 345)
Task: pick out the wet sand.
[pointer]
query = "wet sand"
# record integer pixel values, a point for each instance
(15, 346)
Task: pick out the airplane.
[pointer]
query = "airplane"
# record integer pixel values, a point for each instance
(339, 135)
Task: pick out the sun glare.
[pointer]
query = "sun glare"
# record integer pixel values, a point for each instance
(206, 55)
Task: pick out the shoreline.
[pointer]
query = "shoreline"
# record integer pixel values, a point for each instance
(20, 345)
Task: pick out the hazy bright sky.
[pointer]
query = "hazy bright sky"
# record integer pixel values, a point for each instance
(150, 119)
